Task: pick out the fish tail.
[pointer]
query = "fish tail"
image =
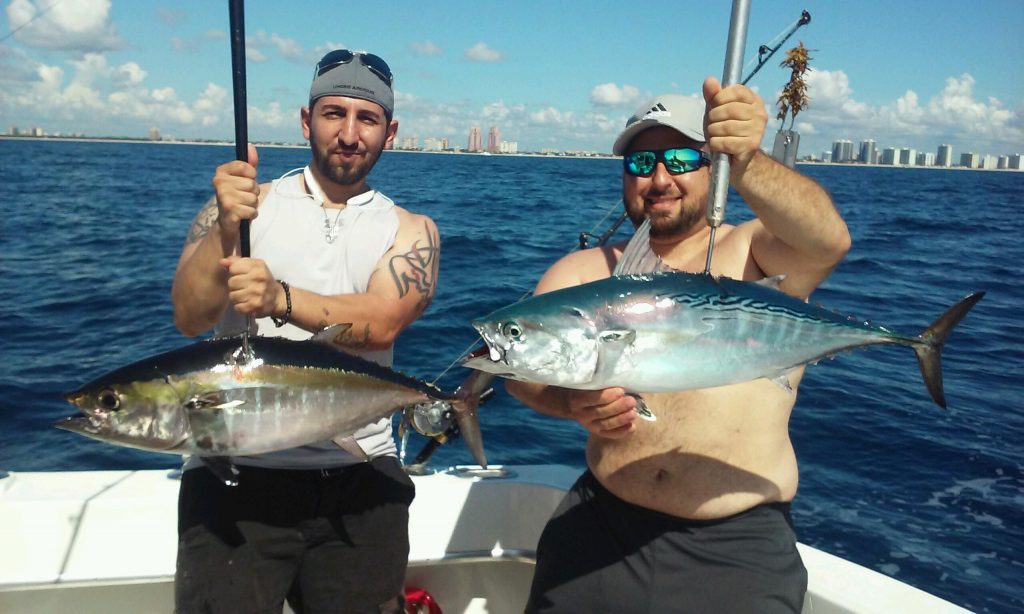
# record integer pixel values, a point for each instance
(929, 348)
(466, 403)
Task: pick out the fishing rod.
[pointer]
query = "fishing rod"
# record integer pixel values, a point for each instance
(236, 17)
(762, 58)
(720, 163)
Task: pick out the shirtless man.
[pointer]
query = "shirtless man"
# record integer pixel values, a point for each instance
(689, 513)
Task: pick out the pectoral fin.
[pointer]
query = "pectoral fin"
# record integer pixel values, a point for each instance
(642, 410)
(350, 445)
(782, 380)
(613, 345)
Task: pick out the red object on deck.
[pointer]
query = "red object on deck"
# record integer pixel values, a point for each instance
(419, 601)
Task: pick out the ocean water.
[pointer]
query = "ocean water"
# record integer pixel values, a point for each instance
(91, 233)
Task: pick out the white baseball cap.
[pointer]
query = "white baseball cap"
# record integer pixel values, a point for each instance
(684, 114)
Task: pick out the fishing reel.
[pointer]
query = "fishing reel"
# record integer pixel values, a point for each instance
(430, 418)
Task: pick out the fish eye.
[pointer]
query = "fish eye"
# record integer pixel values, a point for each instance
(511, 330)
(109, 399)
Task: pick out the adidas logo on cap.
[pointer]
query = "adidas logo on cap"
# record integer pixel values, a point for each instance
(657, 110)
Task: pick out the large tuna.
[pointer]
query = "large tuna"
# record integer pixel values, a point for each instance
(677, 331)
(212, 399)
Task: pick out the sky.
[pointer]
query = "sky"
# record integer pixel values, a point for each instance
(550, 75)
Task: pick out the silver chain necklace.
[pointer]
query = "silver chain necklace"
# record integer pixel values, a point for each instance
(331, 229)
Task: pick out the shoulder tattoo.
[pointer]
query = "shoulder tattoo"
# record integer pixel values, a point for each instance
(416, 270)
(203, 221)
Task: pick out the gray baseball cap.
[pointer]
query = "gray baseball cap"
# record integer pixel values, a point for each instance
(684, 114)
(354, 75)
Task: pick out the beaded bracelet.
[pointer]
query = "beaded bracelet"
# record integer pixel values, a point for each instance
(279, 322)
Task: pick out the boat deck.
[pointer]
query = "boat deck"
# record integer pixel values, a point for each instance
(105, 541)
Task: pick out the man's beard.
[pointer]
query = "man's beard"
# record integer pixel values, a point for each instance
(668, 226)
(343, 175)
(663, 226)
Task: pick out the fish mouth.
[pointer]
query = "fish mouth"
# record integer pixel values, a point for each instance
(79, 424)
(489, 352)
(488, 358)
(480, 352)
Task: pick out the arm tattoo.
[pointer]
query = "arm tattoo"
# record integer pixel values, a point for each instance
(417, 269)
(203, 221)
(346, 337)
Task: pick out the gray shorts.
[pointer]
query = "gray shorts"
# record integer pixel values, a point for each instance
(334, 541)
(599, 553)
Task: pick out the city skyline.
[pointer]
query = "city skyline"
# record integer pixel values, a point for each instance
(842, 150)
(112, 67)
(868, 152)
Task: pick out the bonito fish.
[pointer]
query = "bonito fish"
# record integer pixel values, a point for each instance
(676, 331)
(211, 399)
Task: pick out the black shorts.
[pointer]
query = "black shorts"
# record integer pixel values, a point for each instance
(599, 553)
(328, 543)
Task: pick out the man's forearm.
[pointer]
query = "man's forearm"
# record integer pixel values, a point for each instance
(794, 208)
(366, 322)
(199, 292)
(548, 400)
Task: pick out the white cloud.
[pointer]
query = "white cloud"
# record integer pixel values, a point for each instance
(274, 117)
(951, 115)
(496, 111)
(425, 48)
(288, 48)
(550, 115)
(480, 52)
(611, 95)
(83, 25)
(129, 74)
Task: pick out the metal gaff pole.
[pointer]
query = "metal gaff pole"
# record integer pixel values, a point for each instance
(720, 163)
(236, 13)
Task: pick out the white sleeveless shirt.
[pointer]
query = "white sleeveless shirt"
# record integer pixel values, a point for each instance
(289, 234)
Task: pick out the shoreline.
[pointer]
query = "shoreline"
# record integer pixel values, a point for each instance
(8, 137)
(139, 141)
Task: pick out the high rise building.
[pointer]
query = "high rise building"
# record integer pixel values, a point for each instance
(842, 151)
(926, 158)
(890, 156)
(494, 140)
(944, 156)
(474, 139)
(1016, 161)
(868, 152)
(908, 156)
(970, 160)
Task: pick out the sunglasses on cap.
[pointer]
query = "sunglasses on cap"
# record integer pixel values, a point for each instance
(677, 160)
(374, 63)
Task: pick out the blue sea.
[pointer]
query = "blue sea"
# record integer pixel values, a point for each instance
(91, 234)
